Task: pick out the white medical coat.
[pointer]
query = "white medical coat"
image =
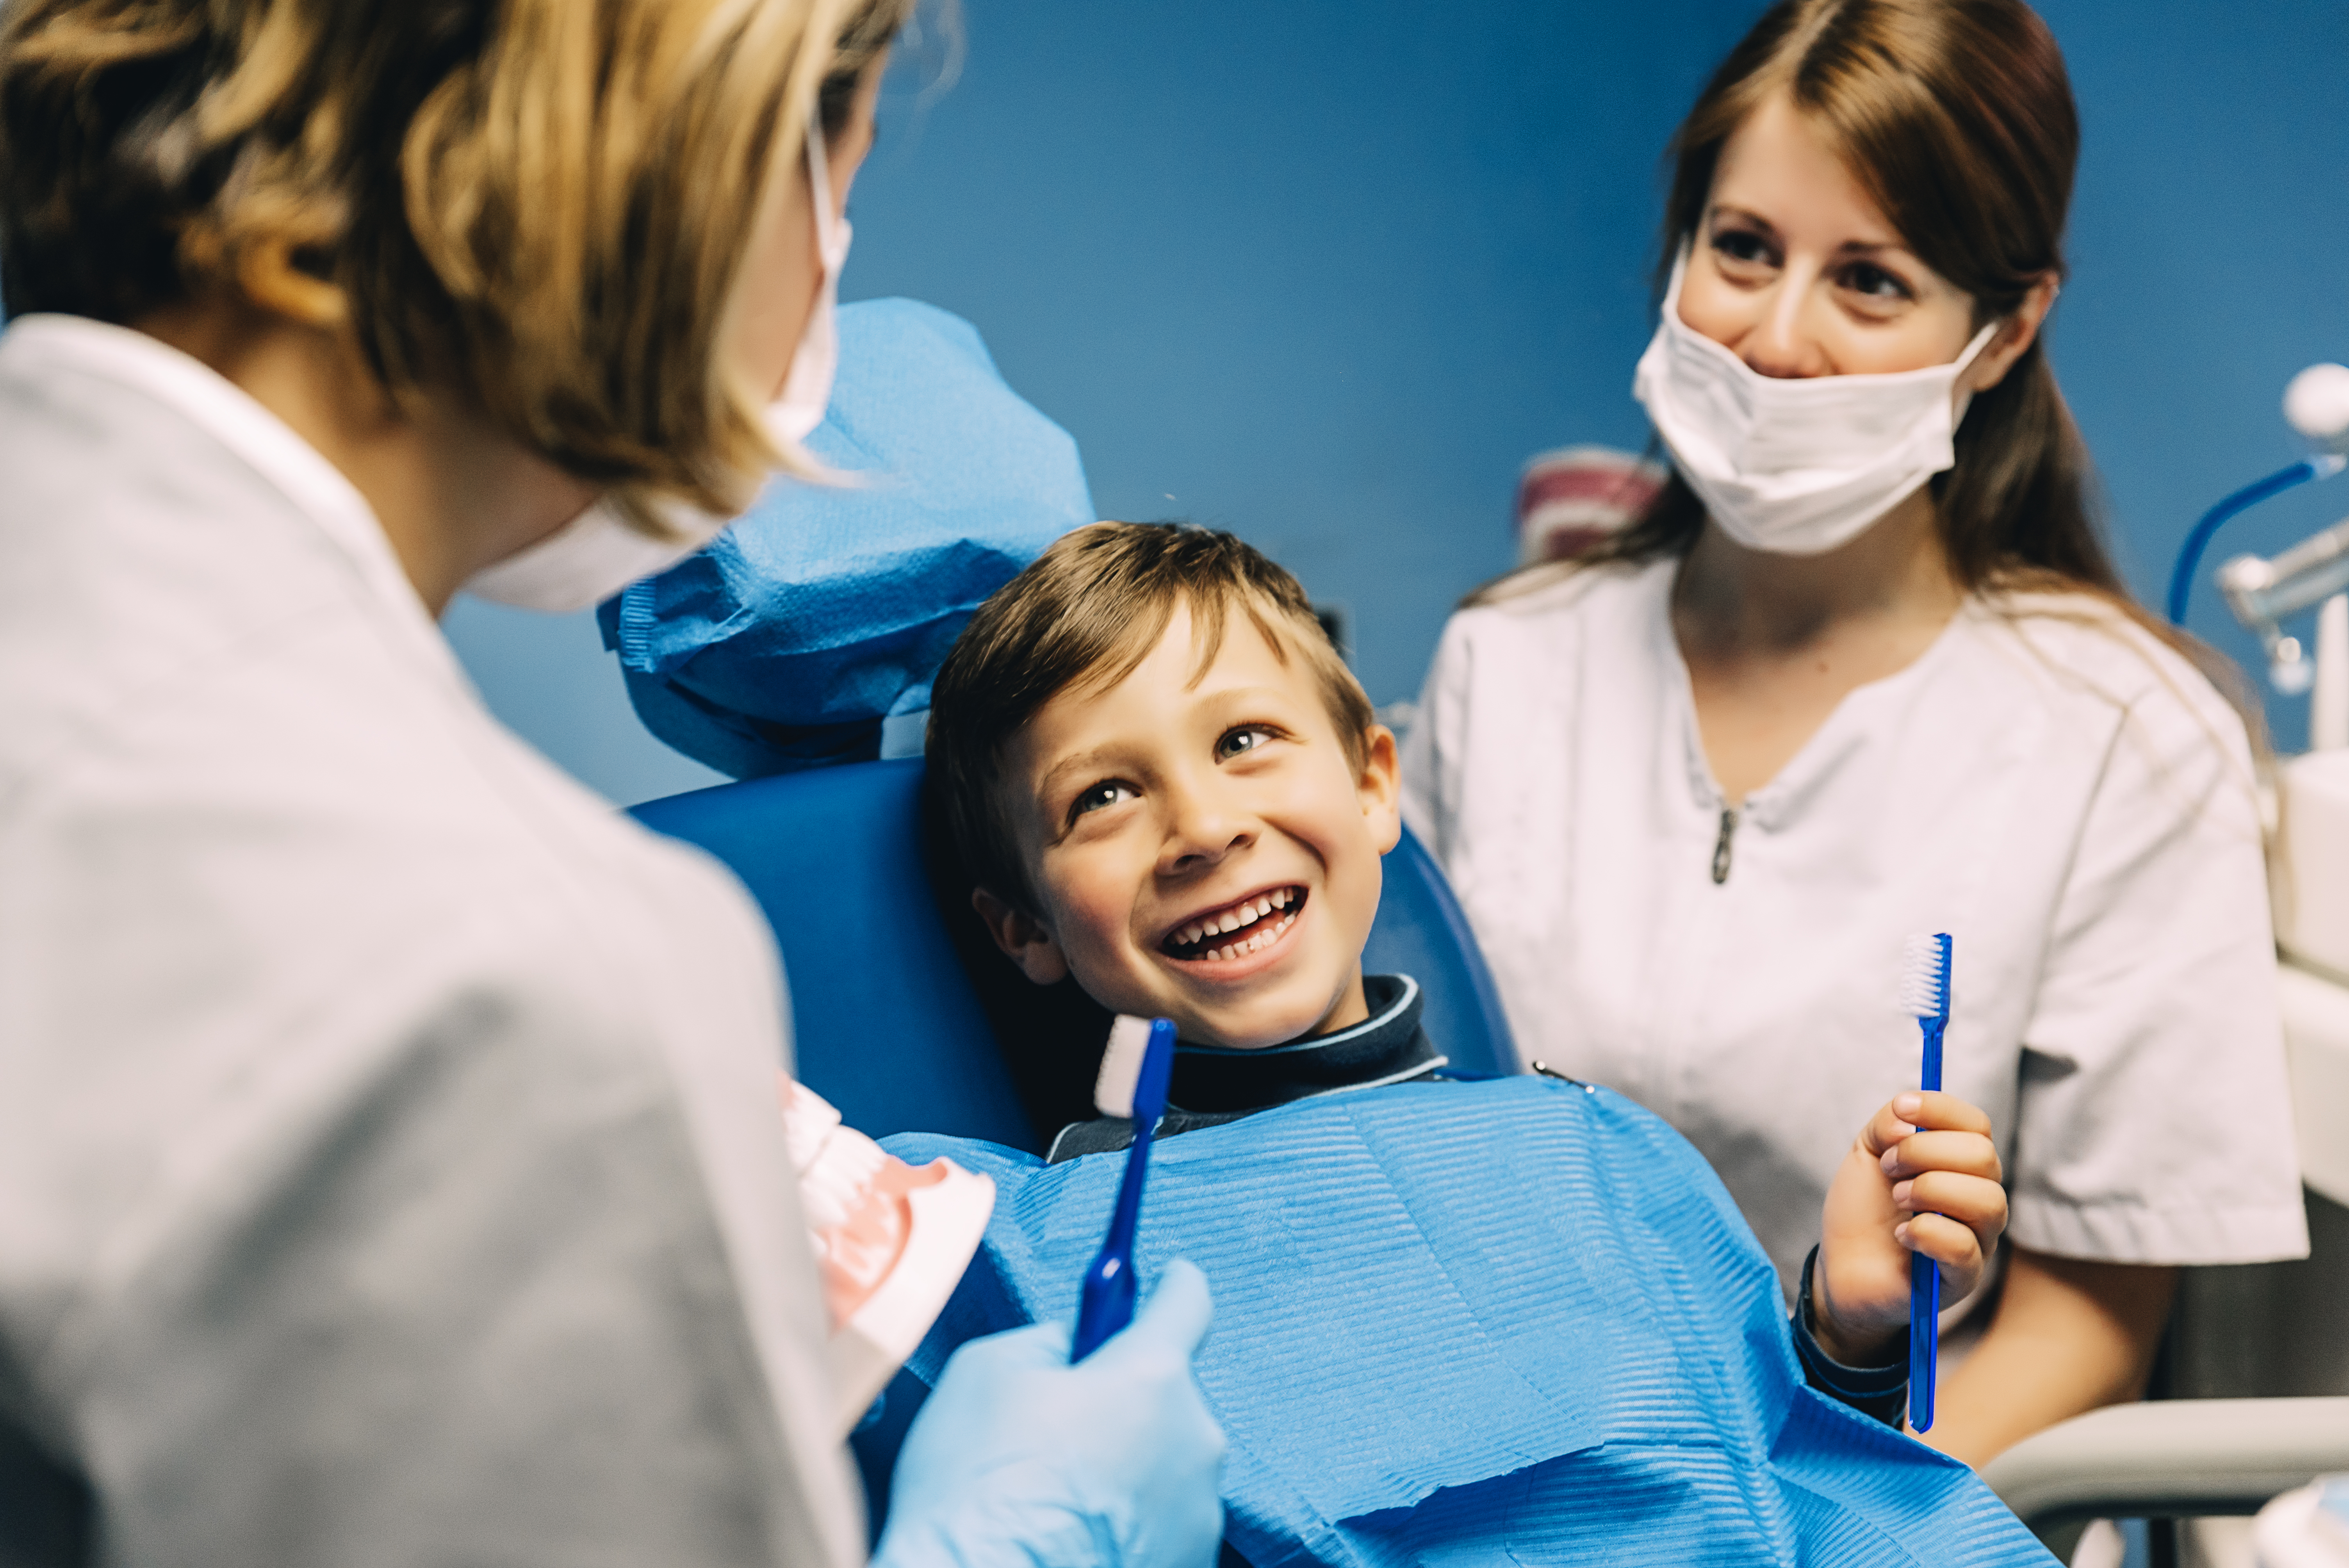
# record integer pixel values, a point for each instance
(2063, 795)
(390, 1167)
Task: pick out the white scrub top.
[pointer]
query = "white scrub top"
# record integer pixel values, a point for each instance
(2049, 784)
(391, 1171)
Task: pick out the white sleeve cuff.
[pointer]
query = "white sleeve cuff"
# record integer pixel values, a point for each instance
(2137, 1233)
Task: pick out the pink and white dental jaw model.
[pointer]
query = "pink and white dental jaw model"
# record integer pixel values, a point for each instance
(891, 1243)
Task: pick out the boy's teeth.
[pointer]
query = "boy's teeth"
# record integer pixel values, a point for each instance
(1255, 942)
(1261, 907)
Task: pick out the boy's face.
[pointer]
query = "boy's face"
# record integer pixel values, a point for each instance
(1202, 851)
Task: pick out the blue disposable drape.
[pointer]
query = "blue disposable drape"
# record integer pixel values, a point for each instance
(1510, 1322)
(828, 608)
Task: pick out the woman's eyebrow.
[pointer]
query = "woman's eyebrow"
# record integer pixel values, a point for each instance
(1723, 210)
(1873, 249)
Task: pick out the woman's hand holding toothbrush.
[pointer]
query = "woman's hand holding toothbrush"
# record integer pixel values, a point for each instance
(1020, 1459)
(1924, 1176)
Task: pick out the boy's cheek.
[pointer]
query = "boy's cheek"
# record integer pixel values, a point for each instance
(1099, 955)
(1090, 893)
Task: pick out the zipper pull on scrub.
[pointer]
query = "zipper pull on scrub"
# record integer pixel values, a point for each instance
(1721, 846)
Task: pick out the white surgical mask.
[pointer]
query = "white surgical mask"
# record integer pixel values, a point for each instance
(596, 554)
(807, 385)
(1795, 465)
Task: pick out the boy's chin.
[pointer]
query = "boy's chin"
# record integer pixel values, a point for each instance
(1285, 1003)
(1259, 1023)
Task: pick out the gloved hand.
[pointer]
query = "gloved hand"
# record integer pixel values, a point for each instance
(1018, 1458)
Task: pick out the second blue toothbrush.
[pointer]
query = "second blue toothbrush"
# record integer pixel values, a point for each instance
(1925, 996)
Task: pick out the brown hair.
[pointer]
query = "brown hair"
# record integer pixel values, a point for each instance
(538, 205)
(1956, 118)
(1083, 615)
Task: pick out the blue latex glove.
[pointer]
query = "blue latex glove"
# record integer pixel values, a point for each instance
(1020, 1459)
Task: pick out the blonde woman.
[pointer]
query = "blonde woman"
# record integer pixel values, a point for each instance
(390, 1169)
(1863, 668)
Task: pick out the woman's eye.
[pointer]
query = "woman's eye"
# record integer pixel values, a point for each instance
(1099, 796)
(1873, 282)
(1238, 742)
(1742, 247)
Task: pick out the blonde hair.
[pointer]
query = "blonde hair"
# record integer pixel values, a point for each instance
(539, 206)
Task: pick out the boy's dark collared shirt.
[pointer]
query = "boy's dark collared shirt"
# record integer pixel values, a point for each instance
(1213, 1085)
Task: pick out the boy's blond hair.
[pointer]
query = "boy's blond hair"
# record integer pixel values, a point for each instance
(537, 206)
(1082, 616)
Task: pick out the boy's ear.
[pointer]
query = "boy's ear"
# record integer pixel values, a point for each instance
(1022, 937)
(1381, 787)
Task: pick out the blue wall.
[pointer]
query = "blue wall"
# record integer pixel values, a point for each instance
(1326, 273)
(2210, 247)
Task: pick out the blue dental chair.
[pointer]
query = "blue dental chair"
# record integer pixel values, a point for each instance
(908, 1019)
(899, 1002)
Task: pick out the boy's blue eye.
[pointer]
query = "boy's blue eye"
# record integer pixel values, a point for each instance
(1099, 796)
(1252, 738)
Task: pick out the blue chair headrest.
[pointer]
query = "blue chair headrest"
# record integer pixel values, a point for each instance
(884, 1025)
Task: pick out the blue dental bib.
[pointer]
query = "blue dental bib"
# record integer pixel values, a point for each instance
(1510, 1322)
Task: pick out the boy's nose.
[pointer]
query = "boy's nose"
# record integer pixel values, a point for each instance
(1199, 857)
(1199, 835)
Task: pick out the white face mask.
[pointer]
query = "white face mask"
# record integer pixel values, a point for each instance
(1795, 465)
(596, 554)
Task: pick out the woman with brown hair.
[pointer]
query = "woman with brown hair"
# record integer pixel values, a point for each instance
(390, 1165)
(1864, 669)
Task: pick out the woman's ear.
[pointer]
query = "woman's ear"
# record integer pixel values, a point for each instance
(1022, 937)
(271, 279)
(2015, 336)
(1381, 787)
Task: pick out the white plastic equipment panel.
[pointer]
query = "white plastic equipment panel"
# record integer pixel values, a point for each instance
(2316, 1033)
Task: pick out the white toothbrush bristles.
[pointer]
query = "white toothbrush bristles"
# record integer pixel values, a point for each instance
(1120, 1066)
(1925, 977)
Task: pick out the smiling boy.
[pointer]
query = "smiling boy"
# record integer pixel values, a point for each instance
(1164, 782)
(1191, 822)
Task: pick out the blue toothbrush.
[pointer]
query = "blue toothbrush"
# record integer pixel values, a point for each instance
(1134, 1073)
(1925, 996)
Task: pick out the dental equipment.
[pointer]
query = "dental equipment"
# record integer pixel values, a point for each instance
(1925, 996)
(2324, 465)
(2263, 592)
(1136, 1068)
